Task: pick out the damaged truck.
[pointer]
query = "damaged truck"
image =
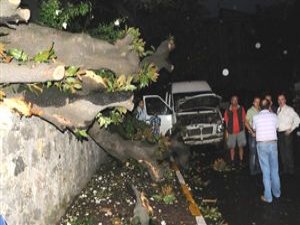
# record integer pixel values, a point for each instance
(192, 107)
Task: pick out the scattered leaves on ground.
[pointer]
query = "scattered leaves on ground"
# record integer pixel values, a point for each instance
(109, 200)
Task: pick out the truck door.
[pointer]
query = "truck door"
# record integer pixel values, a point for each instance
(155, 105)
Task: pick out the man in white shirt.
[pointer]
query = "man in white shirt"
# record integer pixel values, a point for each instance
(288, 121)
(265, 125)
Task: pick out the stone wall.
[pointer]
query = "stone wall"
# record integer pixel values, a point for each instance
(41, 169)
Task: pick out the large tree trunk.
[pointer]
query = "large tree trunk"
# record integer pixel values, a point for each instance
(72, 111)
(123, 149)
(77, 110)
(74, 49)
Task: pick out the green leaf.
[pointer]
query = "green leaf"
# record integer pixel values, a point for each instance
(18, 54)
(45, 56)
(49, 84)
(157, 197)
(169, 199)
(71, 71)
(70, 80)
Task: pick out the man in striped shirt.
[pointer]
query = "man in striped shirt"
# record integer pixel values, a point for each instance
(265, 124)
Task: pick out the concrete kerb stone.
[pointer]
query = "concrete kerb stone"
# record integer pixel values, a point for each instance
(193, 207)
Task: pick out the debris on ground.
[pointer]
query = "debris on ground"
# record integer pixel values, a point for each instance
(108, 198)
(202, 187)
(221, 166)
(209, 201)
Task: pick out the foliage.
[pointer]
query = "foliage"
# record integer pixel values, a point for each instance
(167, 195)
(133, 129)
(35, 88)
(41, 57)
(82, 221)
(220, 165)
(46, 55)
(114, 83)
(54, 14)
(109, 31)
(2, 95)
(138, 44)
(115, 117)
(212, 213)
(81, 134)
(3, 55)
(112, 32)
(17, 54)
(147, 75)
(71, 83)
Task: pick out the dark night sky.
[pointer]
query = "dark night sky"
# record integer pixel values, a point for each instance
(248, 6)
(215, 34)
(205, 46)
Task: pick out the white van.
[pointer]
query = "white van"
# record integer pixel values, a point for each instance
(191, 106)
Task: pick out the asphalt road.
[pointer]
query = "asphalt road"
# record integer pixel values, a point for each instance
(238, 193)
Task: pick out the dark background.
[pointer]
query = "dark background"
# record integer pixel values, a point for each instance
(212, 35)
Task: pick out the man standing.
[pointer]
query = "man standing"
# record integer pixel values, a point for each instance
(272, 107)
(234, 118)
(288, 121)
(253, 160)
(265, 124)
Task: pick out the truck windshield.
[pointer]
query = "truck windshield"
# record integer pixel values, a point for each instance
(184, 102)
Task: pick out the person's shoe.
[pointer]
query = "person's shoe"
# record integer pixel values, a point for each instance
(262, 198)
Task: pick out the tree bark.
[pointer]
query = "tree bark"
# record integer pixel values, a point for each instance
(30, 73)
(11, 13)
(74, 111)
(74, 49)
(161, 55)
(123, 149)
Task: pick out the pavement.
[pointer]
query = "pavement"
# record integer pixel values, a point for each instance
(238, 193)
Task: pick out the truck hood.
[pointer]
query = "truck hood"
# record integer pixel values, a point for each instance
(198, 102)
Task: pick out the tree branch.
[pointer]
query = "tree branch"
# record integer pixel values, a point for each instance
(72, 110)
(11, 13)
(161, 55)
(74, 49)
(123, 149)
(30, 73)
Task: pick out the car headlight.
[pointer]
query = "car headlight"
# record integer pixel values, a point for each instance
(220, 128)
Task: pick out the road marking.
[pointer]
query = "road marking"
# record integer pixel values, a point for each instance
(200, 220)
(193, 207)
(180, 177)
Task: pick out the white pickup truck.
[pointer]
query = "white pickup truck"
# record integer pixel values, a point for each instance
(191, 106)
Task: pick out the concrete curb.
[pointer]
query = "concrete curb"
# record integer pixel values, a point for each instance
(193, 207)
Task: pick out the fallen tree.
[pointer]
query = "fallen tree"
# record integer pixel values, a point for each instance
(46, 89)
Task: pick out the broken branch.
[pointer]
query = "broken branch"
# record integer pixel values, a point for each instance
(32, 73)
